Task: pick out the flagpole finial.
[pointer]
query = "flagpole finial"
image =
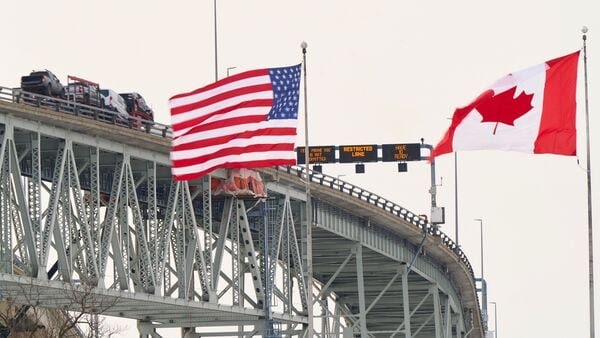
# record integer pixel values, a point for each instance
(303, 45)
(584, 29)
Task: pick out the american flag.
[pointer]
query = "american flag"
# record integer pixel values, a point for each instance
(247, 120)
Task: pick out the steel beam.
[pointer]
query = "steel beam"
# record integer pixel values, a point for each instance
(406, 302)
(339, 269)
(250, 252)
(437, 312)
(361, 292)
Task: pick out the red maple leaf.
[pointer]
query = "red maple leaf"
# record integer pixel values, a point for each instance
(504, 107)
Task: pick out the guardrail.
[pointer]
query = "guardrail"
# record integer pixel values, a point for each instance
(374, 199)
(68, 107)
(16, 95)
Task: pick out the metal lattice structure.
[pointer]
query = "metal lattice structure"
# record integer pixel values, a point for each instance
(84, 202)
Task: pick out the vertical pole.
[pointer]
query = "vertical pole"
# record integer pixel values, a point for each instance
(436, 310)
(456, 197)
(215, 22)
(448, 319)
(484, 305)
(267, 264)
(495, 319)
(208, 236)
(206, 192)
(484, 312)
(406, 303)
(433, 188)
(589, 188)
(481, 242)
(361, 292)
(309, 269)
(481, 233)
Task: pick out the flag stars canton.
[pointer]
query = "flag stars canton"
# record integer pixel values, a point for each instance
(286, 89)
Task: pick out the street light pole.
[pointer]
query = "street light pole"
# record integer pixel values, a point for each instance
(481, 243)
(495, 319)
(230, 68)
(484, 311)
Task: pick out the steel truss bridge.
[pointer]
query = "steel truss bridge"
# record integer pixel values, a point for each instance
(86, 204)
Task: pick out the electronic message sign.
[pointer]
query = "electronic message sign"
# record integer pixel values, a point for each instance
(358, 153)
(401, 152)
(321, 154)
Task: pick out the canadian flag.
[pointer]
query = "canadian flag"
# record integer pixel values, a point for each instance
(531, 111)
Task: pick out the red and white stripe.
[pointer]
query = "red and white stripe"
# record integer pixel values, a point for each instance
(225, 124)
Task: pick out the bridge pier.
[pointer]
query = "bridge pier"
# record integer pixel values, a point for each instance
(147, 330)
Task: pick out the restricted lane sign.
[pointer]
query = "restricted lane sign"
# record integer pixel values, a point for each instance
(358, 153)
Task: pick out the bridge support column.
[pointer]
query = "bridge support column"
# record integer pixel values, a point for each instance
(147, 330)
(361, 291)
(437, 312)
(337, 320)
(6, 257)
(406, 303)
(448, 319)
(456, 320)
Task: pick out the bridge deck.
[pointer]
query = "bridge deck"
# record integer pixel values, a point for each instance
(145, 307)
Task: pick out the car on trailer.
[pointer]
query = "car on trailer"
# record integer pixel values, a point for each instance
(42, 82)
(83, 91)
(115, 102)
(137, 107)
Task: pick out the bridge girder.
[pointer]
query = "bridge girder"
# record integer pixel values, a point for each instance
(74, 208)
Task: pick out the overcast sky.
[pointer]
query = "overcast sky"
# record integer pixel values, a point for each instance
(378, 72)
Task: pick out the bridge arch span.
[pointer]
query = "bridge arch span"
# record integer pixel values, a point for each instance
(87, 202)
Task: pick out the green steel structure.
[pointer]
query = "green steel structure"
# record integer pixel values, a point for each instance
(87, 203)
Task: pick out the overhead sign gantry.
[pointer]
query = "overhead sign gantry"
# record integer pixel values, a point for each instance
(359, 154)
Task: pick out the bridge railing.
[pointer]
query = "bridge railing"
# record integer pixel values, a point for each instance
(16, 95)
(381, 202)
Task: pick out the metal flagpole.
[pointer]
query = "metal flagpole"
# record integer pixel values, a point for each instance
(589, 187)
(309, 269)
(215, 21)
